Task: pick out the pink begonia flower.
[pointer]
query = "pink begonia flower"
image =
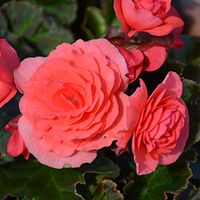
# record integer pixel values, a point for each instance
(15, 145)
(162, 128)
(8, 62)
(146, 58)
(73, 102)
(146, 16)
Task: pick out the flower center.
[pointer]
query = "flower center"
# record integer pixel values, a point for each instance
(68, 98)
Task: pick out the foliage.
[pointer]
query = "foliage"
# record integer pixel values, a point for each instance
(35, 27)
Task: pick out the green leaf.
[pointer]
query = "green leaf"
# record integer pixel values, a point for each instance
(191, 95)
(94, 174)
(3, 140)
(32, 30)
(189, 56)
(23, 47)
(193, 70)
(23, 20)
(94, 24)
(195, 180)
(3, 25)
(31, 180)
(24, 17)
(48, 40)
(4, 136)
(107, 190)
(64, 11)
(170, 178)
(108, 11)
(102, 167)
(190, 90)
(194, 195)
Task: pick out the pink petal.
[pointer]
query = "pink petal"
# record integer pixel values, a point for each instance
(154, 58)
(137, 56)
(119, 14)
(133, 111)
(135, 106)
(139, 19)
(45, 157)
(48, 157)
(134, 60)
(138, 101)
(145, 163)
(168, 5)
(174, 12)
(132, 33)
(80, 157)
(15, 144)
(177, 41)
(26, 69)
(173, 78)
(8, 62)
(161, 30)
(174, 21)
(167, 159)
(26, 154)
(114, 55)
(6, 93)
(123, 127)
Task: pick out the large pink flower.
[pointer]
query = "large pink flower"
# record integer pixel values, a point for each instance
(73, 102)
(149, 16)
(8, 62)
(160, 134)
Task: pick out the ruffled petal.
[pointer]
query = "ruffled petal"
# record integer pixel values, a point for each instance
(26, 69)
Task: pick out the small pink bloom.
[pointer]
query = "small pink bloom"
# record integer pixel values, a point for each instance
(146, 16)
(162, 128)
(73, 102)
(134, 59)
(8, 62)
(144, 57)
(15, 145)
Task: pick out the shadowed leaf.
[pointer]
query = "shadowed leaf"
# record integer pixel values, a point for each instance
(24, 17)
(106, 190)
(94, 24)
(31, 180)
(170, 178)
(191, 95)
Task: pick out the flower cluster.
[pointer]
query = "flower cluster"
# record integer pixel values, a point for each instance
(74, 101)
